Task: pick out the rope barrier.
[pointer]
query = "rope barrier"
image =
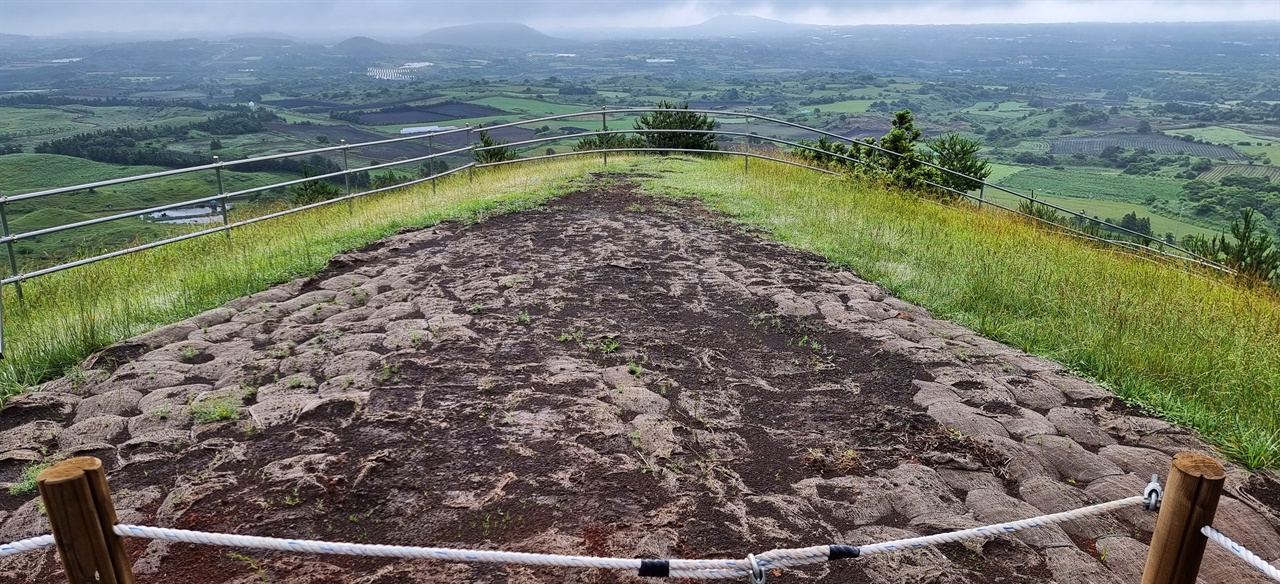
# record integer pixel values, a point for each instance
(1241, 552)
(14, 548)
(699, 569)
(754, 566)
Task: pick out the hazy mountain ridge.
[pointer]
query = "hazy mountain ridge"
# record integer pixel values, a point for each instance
(502, 35)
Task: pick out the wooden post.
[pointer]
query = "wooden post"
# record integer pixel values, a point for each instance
(1189, 503)
(78, 501)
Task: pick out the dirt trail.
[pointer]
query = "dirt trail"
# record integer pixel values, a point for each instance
(611, 374)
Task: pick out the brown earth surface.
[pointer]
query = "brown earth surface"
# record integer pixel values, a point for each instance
(611, 374)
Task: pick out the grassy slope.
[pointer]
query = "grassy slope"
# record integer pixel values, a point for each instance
(1200, 352)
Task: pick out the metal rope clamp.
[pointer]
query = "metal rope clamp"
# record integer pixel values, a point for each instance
(1151, 495)
(757, 572)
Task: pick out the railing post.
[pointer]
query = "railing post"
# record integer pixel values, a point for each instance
(746, 146)
(471, 170)
(604, 138)
(982, 191)
(222, 201)
(346, 176)
(1189, 503)
(431, 164)
(13, 262)
(78, 501)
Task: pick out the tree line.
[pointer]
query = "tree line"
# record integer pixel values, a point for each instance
(129, 145)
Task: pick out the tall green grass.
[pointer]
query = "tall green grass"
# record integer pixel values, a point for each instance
(1198, 351)
(68, 315)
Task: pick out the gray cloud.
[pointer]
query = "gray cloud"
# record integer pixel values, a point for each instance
(411, 17)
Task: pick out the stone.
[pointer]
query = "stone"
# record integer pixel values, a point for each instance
(1034, 393)
(1143, 462)
(120, 402)
(1249, 529)
(929, 393)
(30, 436)
(282, 409)
(993, 506)
(97, 430)
(43, 405)
(966, 420)
(1026, 423)
(1023, 463)
(1080, 425)
(1050, 496)
(170, 397)
(916, 490)
(1071, 460)
(1124, 556)
(1069, 565)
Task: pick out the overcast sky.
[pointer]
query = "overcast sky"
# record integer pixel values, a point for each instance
(412, 17)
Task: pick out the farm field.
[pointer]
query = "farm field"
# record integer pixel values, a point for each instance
(1112, 210)
(1093, 183)
(1221, 170)
(1158, 143)
(534, 107)
(33, 214)
(1103, 193)
(853, 106)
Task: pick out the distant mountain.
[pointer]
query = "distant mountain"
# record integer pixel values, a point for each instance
(363, 46)
(254, 36)
(495, 35)
(13, 38)
(734, 25)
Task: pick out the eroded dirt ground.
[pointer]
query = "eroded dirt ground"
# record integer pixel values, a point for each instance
(613, 374)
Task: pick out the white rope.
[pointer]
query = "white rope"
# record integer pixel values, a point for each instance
(30, 544)
(1241, 552)
(684, 568)
(1000, 528)
(698, 569)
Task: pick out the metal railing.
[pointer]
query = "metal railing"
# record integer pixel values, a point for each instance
(222, 199)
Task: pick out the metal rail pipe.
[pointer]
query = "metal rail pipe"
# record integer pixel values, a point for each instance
(222, 164)
(861, 144)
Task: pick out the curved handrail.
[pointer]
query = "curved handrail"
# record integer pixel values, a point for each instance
(9, 239)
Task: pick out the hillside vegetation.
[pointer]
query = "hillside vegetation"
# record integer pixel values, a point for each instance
(1196, 350)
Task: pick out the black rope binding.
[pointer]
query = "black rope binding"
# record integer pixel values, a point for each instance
(842, 552)
(655, 568)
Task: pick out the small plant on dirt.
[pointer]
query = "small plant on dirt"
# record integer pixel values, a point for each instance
(76, 375)
(415, 339)
(524, 318)
(390, 373)
(214, 410)
(293, 499)
(608, 346)
(253, 564)
(575, 336)
(188, 352)
(635, 369)
(475, 308)
(281, 352)
(248, 390)
(832, 460)
(160, 413)
(636, 207)
(26, 483)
